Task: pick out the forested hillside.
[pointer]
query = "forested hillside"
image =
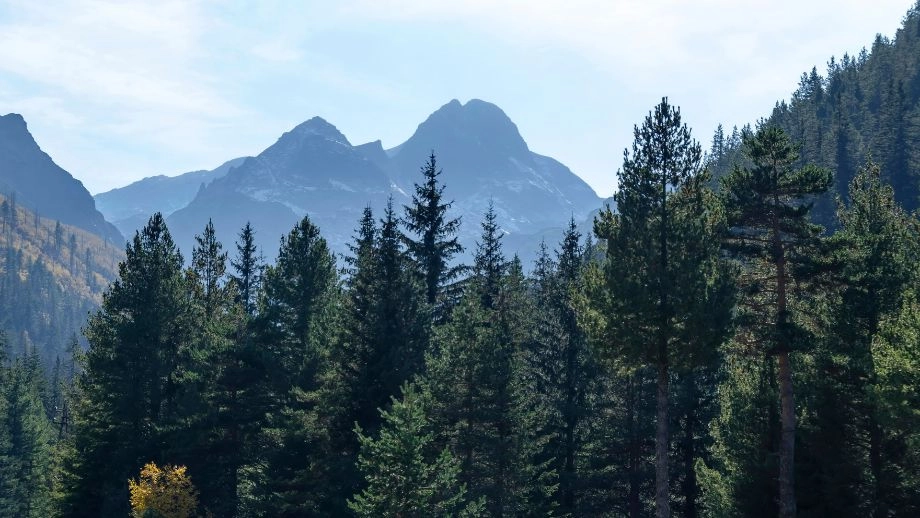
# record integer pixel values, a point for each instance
(51, 277)
(865, 105)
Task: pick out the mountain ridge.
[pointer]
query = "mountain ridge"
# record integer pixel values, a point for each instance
(313, 169)
(43, 186)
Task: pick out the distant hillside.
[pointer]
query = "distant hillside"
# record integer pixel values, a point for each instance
(29, 174)
(865, 105)
(51, 276)
(129, 207)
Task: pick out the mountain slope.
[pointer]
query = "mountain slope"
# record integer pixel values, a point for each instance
(485, 159)
(30, 175)
(51, 276)
(129, 207)
(311, 170)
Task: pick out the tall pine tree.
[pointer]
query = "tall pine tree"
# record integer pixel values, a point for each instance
(661, 260)
(768, 207)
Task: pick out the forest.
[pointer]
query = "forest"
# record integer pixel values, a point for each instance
(740, 336)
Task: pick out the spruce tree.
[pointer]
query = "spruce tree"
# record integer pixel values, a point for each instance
(405, 475)
(470, 374)
(247, 267)
(558, 370)
(435, 245)
(130, 389)
(383, 333)
(294, 331)
(26, 475)
(767, 207)
(386, 332)
(211, 443)
(896, 356)
(877, 249)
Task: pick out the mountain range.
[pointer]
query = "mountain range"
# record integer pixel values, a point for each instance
(129, 207)
(314, 170)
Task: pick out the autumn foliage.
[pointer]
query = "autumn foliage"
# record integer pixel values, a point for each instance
(165, 492)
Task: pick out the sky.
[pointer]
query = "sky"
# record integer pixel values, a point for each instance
(115, 90)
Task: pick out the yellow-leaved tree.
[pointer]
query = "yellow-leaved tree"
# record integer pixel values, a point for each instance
(165, 492)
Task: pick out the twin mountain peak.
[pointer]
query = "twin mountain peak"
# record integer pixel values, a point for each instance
(314, 170)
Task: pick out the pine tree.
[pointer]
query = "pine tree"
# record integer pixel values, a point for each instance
(436, 244)
(768, 212)
(405, 475)
(662, 262)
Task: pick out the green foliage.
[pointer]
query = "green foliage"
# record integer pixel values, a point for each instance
(294, 328)
(405, 476)
(896, 356)
(436, 244)
(768, 206)
(864, 105)
(383, 334)
(141, 343)
(26, 439)
(671, 300)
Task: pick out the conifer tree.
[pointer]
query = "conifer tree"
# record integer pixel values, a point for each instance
(294, 333)
(26, 440)
(767, 208)
(470, 374)
(896, 356)
(436, 244)
(405, 475)
(248, 268)
(385, 334)
(877, 248)
(559, 371)
(384, 330)
(134, 375)
(211, 442)
(661, 262)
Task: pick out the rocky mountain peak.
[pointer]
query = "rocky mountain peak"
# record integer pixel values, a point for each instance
(315, 127)
(477, 125)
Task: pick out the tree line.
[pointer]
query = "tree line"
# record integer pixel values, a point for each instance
(713, 353)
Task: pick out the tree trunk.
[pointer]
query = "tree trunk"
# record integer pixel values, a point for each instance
(787, 440)
(690, 487)
(662, 495)
(635, 481)
(787, 403)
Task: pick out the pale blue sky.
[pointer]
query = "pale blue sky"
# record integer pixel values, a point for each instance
(115, 91)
